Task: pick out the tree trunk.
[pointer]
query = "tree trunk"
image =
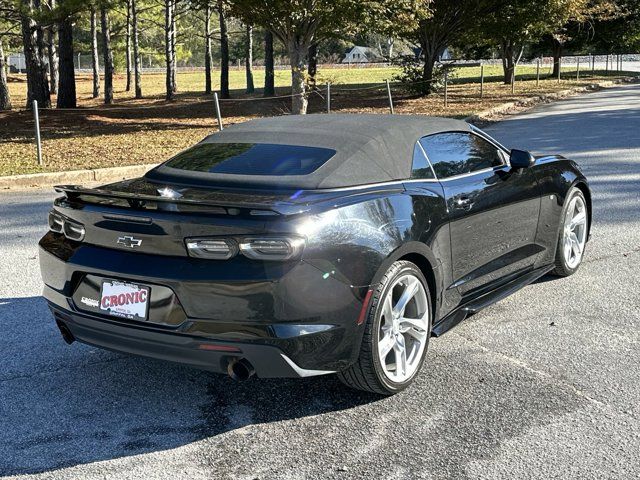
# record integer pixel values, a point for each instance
(431, 49)
(510, 57)
(94, 53)
(53, 60)
(168, 48)
(557, 48)
(52, 52)
(137, 61)
(37, 82)
(507, 66)
(297, 54)
(431, 43)
(5, 97)
(42, 46)
(67, 86)
(128, 46)
(249, 59)
(174, 44)
(52, 40)
(208, 60)
(269, 76)
(224, 52)
(428, 70)
(313, 66)
(108, 56)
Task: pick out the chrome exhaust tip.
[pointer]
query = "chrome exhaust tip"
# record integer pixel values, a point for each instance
(240, 369)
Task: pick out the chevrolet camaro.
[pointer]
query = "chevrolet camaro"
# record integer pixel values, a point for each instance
(310, 245)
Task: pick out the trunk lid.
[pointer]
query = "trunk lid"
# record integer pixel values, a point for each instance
(137, 215)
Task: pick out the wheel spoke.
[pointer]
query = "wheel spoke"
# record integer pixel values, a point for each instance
(408, 323)
(410, 290)
(578, 220)
(385, 346)
(401, 357)
(567, 247)
(575, 249)
(387, 310)
(417, 333)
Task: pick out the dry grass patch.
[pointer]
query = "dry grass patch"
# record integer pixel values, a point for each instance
(151, 130)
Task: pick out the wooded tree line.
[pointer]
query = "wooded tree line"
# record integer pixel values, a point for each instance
(119, 33)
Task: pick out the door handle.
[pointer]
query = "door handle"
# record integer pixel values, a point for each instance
(463, 203)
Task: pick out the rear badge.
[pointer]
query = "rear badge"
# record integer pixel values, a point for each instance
(129, 241)
(90, 302)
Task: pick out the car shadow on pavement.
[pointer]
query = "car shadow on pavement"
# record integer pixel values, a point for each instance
(72, 406)
(69, 405)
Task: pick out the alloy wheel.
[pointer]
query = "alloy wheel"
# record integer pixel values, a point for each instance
(404, 328)
(575, 232)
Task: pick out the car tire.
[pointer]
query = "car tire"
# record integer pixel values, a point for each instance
(572, 235)
(368, 373)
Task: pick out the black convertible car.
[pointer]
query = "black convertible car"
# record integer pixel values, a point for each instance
(310, 245)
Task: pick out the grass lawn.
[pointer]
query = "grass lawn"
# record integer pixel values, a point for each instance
(151, 130)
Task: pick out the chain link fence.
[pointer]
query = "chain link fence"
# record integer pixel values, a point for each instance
(155, 63)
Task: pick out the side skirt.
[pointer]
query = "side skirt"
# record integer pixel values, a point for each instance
(477, 304)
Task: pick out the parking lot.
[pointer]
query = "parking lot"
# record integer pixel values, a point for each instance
(544, 384)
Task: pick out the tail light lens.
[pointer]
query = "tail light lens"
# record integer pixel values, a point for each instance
(56, 222)
(69, 228)
(221, 249)
(73, 231)
(272, 248)
(256, 248)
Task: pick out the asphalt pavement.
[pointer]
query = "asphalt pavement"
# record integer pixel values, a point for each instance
(544, 384)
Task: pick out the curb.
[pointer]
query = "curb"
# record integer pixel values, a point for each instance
(497, 113)
(50, 179)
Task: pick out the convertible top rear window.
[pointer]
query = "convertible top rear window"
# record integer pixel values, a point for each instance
(251, 159)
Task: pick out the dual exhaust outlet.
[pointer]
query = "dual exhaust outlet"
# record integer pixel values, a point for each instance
(239, 369)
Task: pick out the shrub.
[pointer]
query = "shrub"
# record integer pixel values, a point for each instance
(411, 75)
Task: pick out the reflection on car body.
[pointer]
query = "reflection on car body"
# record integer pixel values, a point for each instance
(300, 246)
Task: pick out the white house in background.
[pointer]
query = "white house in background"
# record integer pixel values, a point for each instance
(360, 54)
(16, 63)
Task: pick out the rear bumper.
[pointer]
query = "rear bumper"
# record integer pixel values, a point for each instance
(268, 361)
(290, 323)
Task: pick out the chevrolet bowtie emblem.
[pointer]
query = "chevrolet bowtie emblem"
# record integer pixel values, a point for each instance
(129, 241)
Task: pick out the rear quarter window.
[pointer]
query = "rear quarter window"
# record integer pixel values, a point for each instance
(421, 168)
(251, 159)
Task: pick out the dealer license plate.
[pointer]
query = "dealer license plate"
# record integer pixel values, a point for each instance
(124, 300)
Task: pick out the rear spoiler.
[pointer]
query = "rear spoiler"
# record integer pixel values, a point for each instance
(76, 193)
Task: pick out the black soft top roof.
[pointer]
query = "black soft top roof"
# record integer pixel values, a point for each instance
(369, 148)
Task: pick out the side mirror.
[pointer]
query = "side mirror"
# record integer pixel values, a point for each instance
(521, 159)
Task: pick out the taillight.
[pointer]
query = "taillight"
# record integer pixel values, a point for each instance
(69, 228)
(256, 248)
(56, 222)
(271, 248)
(73, 231)
(221, 249)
